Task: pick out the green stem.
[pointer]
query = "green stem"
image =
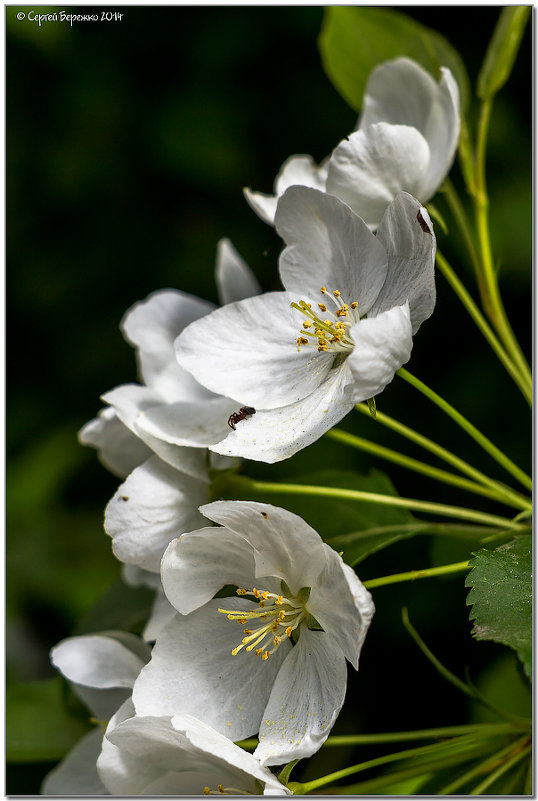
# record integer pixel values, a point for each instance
(501, 770)
(499, 493)
(412, 753)
(473, 432)
(492, 303)
(478, 729)
(461, 781)
(434, 448)
(429, 507)
(411, 575)
(478, 318)
(461, 217)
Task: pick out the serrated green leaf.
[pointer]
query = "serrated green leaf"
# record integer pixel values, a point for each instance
(501, 597)
(39, 727)
(355, 39)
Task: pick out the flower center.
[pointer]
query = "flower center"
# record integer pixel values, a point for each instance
(279, 617)
(329, 332)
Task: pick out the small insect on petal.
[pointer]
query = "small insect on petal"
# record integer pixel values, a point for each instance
(242, 414)
(423, 224)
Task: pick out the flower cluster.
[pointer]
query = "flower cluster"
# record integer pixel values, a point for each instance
(254, 615)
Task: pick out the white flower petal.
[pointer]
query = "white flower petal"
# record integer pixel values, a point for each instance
(346, 616)
(442, 131)
(296, 171)
(161, 613)
(152, 326)
(235, 280)
(284, 544)
(307, 696)
(129, 400)
(119, 450)
(155, 505)
(200, 563)
(411, 253)
(77, 772)
(247, 351)
(192, 671)
(99, 661)
(382, 345)
(328, 246)
(187, 424)
(368, 169)
(277, 434)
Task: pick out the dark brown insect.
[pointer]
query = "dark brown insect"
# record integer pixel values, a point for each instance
(236, 417)
(423, 224)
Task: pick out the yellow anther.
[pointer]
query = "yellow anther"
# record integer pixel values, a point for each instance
(307, 323)
(278, 600)
(319, 332)
(321, 348)
(247, 631)
(261, 604)
(275, 626)
(220, 788)
(289, 631)
(281, 616)
(255, 592)
(265, 595)
(323, 290)
(322, 341)
(341, 312)
(265, 655)
(336, 293)
(322, 306)
(309, 305)
(241, 620)
(258, 651)
(276, 640)
(207, 791)
(241, 592)
(335, 339)
(328, 322)
(344, 306)
(354, 304)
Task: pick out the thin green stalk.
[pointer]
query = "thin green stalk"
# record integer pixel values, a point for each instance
(411, 575)
(479, 319)
(432, 447)
(473, 432)
(448, 748)
(461, 781)
(464, 687)
(461, 219)
(493, 302)
(430, 507)
(499, 494)
(478, 729)
(481, 788)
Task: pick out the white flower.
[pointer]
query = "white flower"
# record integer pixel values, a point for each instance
(102, 669)
(406, 140)
(302, 358)
(179, 755)
(162, 610)
(151, 326)
(252, 679)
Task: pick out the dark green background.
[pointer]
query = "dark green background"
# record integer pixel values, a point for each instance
(128, 144)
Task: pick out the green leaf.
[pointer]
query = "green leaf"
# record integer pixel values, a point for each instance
(502, 50)
(39, 727)
(355, 39)
(121, 607)
(501, 597)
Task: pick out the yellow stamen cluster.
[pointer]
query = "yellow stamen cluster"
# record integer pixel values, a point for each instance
(330, 333)
(280, 616)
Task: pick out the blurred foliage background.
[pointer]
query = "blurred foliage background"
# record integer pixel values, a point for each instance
(128, 144)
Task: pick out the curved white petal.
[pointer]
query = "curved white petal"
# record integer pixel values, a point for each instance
(198, 564)
(341, 605)
(328, 246)
(277, 434)
(296, 171)
(188, 424)
(235, 280)
(129, 400)
(119, 450)
(155, 505)
(152, 326)
(382, 345)
(284, 545)
(368, 169)
(192, 671)
(99, 661)
(161, 613)
(247, 351)
(401, 92)
(307, 696)
(442, 131)
(406, 232)
(77, 772)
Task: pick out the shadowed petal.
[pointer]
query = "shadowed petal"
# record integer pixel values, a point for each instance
(235, 279)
